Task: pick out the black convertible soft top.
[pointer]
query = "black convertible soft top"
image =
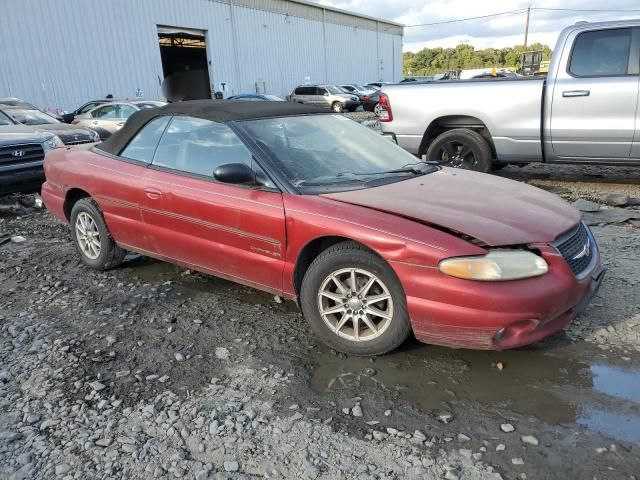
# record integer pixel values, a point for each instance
(214, 110)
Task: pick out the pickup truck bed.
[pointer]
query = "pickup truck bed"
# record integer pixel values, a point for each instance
(510, 109)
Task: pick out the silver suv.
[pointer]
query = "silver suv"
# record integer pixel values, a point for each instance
(325, 96)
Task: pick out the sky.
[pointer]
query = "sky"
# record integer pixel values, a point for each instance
(497, 32)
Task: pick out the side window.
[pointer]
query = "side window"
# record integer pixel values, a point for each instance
(108, 111)
(199, 146)
(125, 111)
(321, 91)
(87, 107)
(601, 53)
(299, 91)
(143, 145)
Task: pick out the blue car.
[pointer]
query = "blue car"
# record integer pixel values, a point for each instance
(256, 97)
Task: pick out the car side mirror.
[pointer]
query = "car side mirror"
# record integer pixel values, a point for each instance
(326, 94)
(235, 173)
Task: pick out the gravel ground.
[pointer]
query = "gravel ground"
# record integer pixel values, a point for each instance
(153, 371)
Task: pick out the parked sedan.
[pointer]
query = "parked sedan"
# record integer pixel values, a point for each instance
(370, 103)
(256, 97)
(16, 102)
(43, 122)
(110, 117)
(310, 205)
(84, 108)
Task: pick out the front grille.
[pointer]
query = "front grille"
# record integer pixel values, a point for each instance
(577, 248)
(19, 154)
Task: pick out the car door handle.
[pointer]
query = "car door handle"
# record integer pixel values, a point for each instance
(152, 193)
(576, 93)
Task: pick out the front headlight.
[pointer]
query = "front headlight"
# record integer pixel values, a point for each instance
(51, 143)
(496, 265)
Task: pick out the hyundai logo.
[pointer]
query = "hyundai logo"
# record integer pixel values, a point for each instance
(18, 153)
(585, 252)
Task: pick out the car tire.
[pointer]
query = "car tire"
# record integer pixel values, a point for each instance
(346, 330)
(91, 236)
(376, 109)
(337, 107)
(461, 148)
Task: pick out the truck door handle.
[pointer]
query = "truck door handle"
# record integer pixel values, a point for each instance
(152, 193)
(576, 93)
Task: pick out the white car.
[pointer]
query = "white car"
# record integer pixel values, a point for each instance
(108, 118)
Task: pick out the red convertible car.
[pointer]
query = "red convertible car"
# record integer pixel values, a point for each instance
(372, 243)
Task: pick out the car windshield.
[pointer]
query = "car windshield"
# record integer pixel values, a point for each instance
(5, 120)
(31, 117)
(334, 90)
(274, 98)
(329, 153)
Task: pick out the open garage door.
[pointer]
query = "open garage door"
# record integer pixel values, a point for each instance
(184, 63)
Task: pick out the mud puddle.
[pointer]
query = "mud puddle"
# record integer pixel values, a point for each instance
(562, 384)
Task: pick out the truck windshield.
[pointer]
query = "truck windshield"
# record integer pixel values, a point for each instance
(320, 153)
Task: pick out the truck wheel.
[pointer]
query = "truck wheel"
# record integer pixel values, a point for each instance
(461, 148)
(336, 107)
(354, 302)
(93, 241)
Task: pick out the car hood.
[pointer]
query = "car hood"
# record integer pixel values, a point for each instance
(494, 210)
(61, 128)
(11, 134)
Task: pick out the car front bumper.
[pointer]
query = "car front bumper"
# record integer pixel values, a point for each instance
(23, 181)
(496, 315)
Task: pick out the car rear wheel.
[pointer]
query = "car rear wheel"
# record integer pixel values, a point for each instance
(337, 107)
(377, 110)
(354, 302)
(91, 237)
(461, 148)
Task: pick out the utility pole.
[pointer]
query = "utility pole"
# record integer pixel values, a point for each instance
(526, 27)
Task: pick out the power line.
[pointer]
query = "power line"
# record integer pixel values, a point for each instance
(513, 12)
(468, 18)
(632, 10)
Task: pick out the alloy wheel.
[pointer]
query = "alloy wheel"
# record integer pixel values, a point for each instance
(355, 304)
(88, 235)
(457, 155)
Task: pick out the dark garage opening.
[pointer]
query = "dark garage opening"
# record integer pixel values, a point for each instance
(184, 64)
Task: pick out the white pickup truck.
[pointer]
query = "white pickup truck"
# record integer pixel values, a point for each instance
(587, 110)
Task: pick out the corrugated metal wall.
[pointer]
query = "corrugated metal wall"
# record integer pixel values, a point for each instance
(60, 54)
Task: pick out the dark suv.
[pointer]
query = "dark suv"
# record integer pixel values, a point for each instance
(22, 150)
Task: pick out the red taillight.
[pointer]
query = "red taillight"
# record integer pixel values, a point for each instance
(75, 122)
(384, 112)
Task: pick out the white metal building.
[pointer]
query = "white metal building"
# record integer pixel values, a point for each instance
(58, 54)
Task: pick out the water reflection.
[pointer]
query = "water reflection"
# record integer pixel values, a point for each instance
(551, 385)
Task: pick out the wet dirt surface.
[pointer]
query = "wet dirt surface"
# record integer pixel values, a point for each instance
(578, 393)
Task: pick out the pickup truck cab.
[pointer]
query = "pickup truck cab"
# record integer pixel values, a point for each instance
(586, 110)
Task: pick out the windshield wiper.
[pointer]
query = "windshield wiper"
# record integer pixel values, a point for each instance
(418, 168)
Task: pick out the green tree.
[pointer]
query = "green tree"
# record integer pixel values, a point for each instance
(429, 61)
